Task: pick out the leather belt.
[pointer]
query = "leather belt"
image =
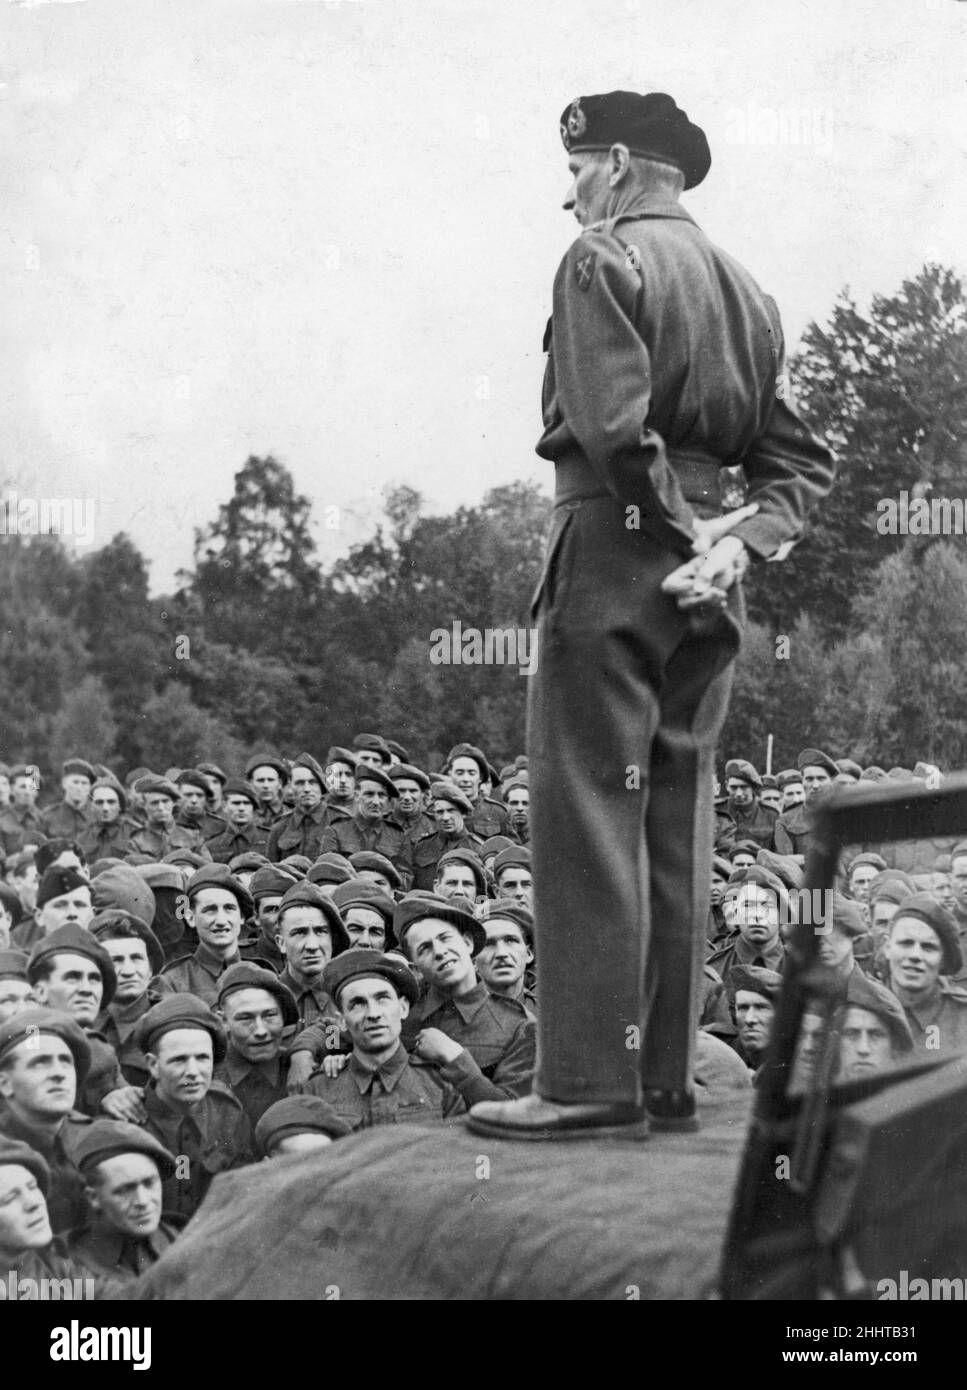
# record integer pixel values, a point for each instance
(699, 476)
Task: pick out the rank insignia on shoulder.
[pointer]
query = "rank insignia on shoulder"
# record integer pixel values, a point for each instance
(584, 269)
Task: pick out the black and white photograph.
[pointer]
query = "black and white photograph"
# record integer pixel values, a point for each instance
(483, 745)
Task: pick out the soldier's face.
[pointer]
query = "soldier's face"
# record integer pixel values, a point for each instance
(25, 885)
(300, 1143)
(214, 789)
(267, 784)
(369, 758)
(882, 914)
(217, 918)
(860, 880)
(107, 806)
(816, 782)
(24, 1224)
(958, 879)
(757, 914)
(441, 953)
(793, 795)
(38, 1078)
(75, 906)
(253, 1019)
(835, 948)
(517, 882)
(267, 911)
(502, 962)
(518, 804)
(192, 800)
(23, 791)
(366, 928)
(410, 797)
(590, 187)
(182, 1066)
(372, 801)
(914, 953)
(15, 996)
(305, 939)
(448, 819)
(305, 789)
(771, 797)
(126, 1194)
(375, 876)
(373, 1012)
(240, 811)
(740, 793)
(864, 1046)
(74, 986)
(340, 781)
(753, 1016)
(466, 774)
(76, 788)
(454, 880)
(742, 860)
(159, 809)
(129, 956)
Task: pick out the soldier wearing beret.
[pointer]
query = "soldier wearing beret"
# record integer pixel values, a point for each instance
(517, 799)
(21, 823)
(373, 867)
(753, 820)
(921, 951)
(861, 870)
(310, 934)
(194, 812)
(791, 787)
(409, 813)
(504, 961)
(161, 834)
(137, 958)
(256, 1008)
(793, 828)
(44, 1057)
(468, 769)
(340, 772)
(752, 993)
(193, 1116)
(841, 932)
(268, 886)
(68, 818)
(302, 829)
(372, 750)
(770, 795)
(215, 780)
(483, 1044)
(268, 776)
(381, 1084)
(513, 876)
(15, 990)
(367, 911)
(216, 907)
(758, 904)
(873, 1031)
(452, 813)
(240, 833)
(123, 1167)
(108, 834)
(369, 828)
(296, 1125)
(460, 874)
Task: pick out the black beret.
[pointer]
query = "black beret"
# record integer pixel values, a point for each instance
(515, 855)
(213, 770)
(738, 767)
(762, 878)
(495, 844)
(652, 126)
(783, 866)
(182, 855)
(306, 894)
(471, 860)
(373, 743)
(815, 757)
(108, 1138)
(754, 978)
(422, 906)
(307, 761)
(360, 963)
(398, 750)
(267, 760)
(745, 847)
(219, 876)
(237, 786)
(269, 881)
(847, 918)
(449, 791)
(864, 993)
(111, 784)
(296, 864)
(925, 908)
(769, 781)
(247, 863)
(148, 786)
(789, 777)
(369, 859)
(191, 777)
(12, 1151)
(51, 850)
(406, 772)
(875, 861)
(78, 767)
(30, 1023)
(359, 892)
(104, 928)
(58, 880)
(75, 941)
(297, 1115)
(892, 886)
(365, 773)
(470, 750)
(848, 766)
(179, 1011)
(13, 963)
(128, 888)
(341, 755)
(246, 974)
(513, 911)
(330, 871)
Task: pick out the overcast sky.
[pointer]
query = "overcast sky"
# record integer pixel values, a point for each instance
(329, 230)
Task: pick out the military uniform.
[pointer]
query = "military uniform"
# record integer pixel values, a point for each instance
(66, 1203)
(65, 822)
(298, 833)
(757, 823)
(112, 841)
(213, 1136)
(104, 1250)
(489, 818)
(348, 835)
(208, 824)
(498, 1036)
(793, 831)
(257, 1085)
(939, 1025)
(737, 951)
(427, 850)
(158, 843)
(16, 825)
(393, 1093)
(224, 846)
(662, 368)
(116, 1024)
(196, 974)
(103, 1078)
(414, 827)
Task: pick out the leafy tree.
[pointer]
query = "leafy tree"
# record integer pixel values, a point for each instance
(83, 726)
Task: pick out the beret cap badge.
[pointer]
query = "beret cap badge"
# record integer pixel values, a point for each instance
(577, 121)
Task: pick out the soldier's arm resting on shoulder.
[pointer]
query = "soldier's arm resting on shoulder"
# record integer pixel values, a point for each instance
(125, 1103)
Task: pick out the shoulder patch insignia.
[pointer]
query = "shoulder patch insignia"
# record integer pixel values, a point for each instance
(584, 269)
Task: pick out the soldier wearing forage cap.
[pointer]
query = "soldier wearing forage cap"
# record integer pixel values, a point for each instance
(69, 818)
(468, 769)
(662, 368)
(192, 1115)
(123, 1167)
(369, 828)
(161, 834)
(794, 827)
(301, 831)
(240, 833)
(753, 820)
(921, 950)
(63, 899)
(452, 813)
(216, 906)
